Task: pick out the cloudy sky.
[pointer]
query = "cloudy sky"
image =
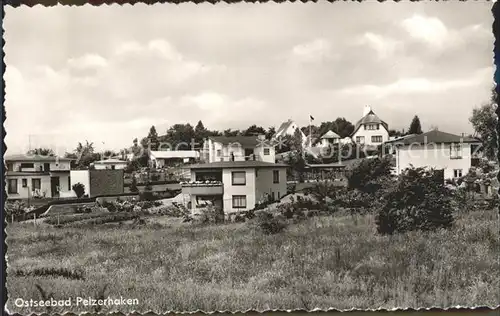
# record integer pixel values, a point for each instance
(106, 74)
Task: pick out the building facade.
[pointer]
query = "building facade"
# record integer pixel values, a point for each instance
(435, 149)
(235, 186)
(237, 148)
(36, 176)
(109, 164)
(99, 182)
(370, 129)
(160, 159)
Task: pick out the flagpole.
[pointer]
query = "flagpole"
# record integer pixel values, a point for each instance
(310, 131)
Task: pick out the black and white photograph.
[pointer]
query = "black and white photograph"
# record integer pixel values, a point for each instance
(250, 157)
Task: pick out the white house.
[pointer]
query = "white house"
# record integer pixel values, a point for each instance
(109, 164)
(31, 176)
(288, 128)
(160, 159)
(328, 139)
(235, 186)
(370, 129)
(238, 148)
(435, 149)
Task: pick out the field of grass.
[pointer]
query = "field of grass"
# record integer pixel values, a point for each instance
(323, 262)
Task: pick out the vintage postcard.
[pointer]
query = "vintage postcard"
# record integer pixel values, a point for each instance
(236, 157)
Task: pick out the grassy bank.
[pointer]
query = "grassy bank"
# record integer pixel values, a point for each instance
(323, 262)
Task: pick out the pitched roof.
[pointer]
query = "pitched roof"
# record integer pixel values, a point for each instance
(434, 136)
(168, 154)
(370, 118)
(237, 164)
(35, 158)
(330, 134)
(284, 126)
(243, 141)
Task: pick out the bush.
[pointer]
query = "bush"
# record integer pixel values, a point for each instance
(270, 224)
(420, 201)
(79, 189)
(212, 215)
(370, 174)
(133, 185)
(323, 190)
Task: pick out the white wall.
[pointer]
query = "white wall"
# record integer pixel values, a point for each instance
(259, 154)
(230, 190)
(437, 156)
(81, 176)
(264, 184)
(24, 193)
(109, 166)
(369, 133)
(60, 165)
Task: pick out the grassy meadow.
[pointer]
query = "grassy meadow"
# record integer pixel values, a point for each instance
(322, 262)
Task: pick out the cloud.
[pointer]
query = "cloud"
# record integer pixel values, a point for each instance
(427, 29)
(87, 61)
(385, 47)
(313, 51)
(420, 85)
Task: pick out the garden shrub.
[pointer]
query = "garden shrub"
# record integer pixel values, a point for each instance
(370, 175)
(270, 224)
(79, 189)
(420, 201)
(212, 215)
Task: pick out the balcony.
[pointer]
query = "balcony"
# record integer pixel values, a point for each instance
(202, 188)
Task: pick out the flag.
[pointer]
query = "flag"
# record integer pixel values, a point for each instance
(312, 118)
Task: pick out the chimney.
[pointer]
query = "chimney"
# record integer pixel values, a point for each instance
(366, 110)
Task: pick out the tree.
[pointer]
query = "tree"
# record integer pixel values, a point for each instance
(85, 155)
(296, 159)
(79, 189)
(154, 142)
(366, 174)
(415, 127)
(419, 201)
(254, 130)
(270, 132)
(41, 152)
(484, 120)
(396, 133)
(230, 133)
(180, 137)
(200, 133)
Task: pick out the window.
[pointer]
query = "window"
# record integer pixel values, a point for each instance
(219, 152)
(276, 176)
(376, 139)
(273, 198)
(113, 167)
(456, 151)
(10, 167)
(25, 183)
(372, 127)
(457, 173)
(69, 183)
(12, 189)
(279, 195)
(36, 184)
(266, 151)
(27, 165)
(239, 178)
(360, 139)
(239, 201)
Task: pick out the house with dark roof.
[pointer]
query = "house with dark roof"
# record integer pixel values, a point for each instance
(451, 153)
(327, 139)
(234, 186)
(370, 129)
(238, 148)
(32, 176)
